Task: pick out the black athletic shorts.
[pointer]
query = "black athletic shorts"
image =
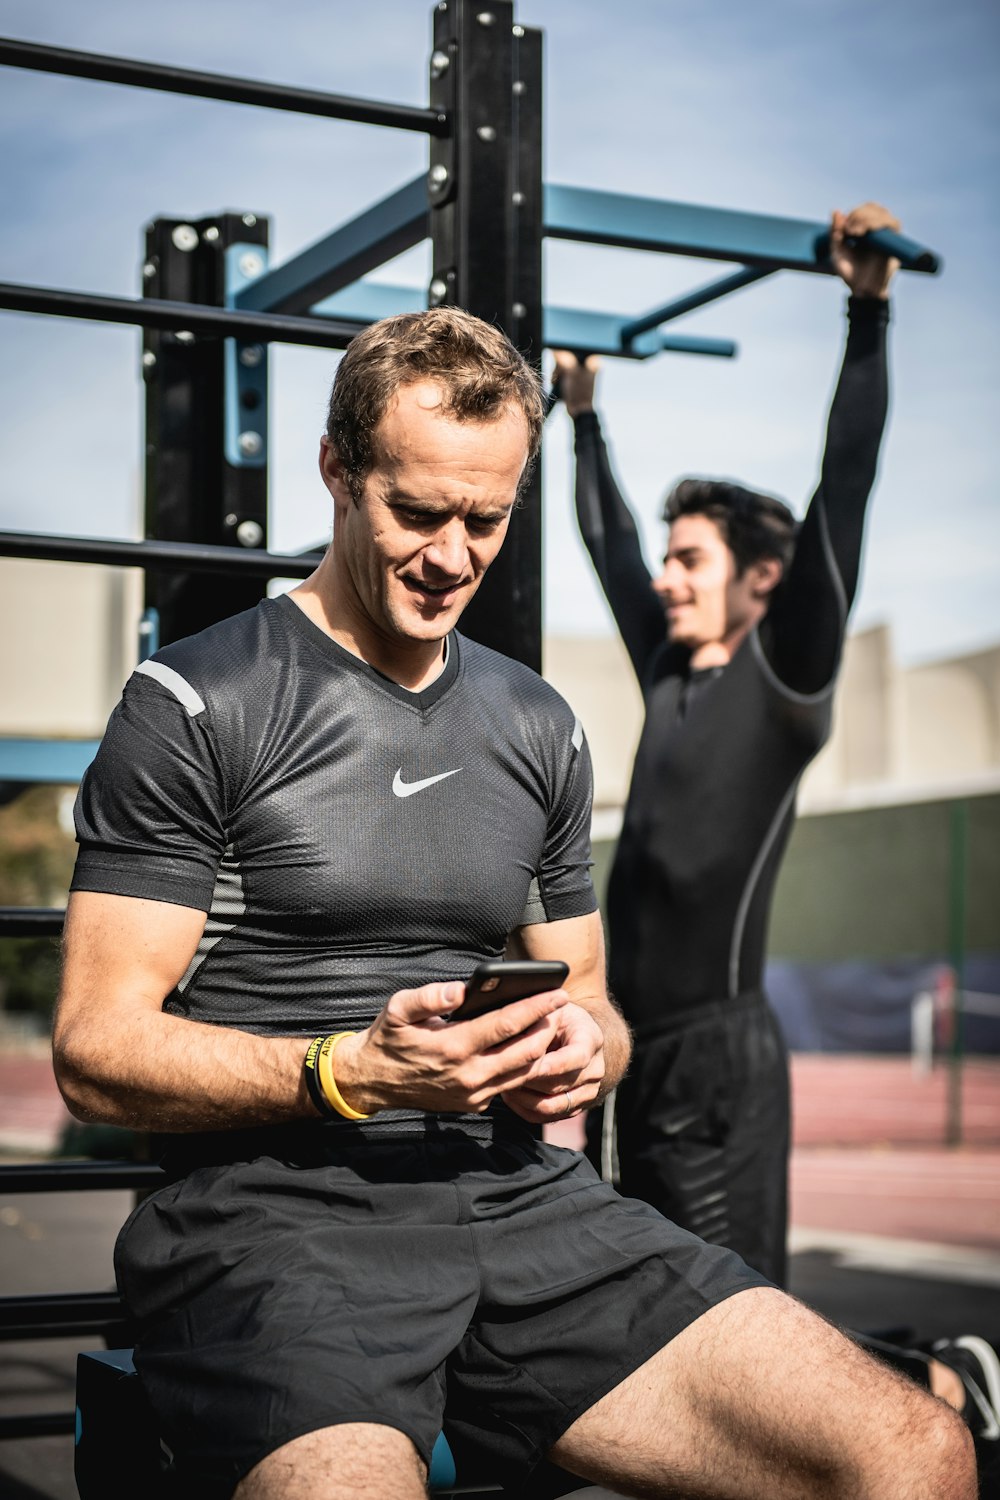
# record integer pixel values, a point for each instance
(393, 1279)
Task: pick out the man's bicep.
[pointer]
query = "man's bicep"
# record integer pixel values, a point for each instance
(579, 941)
(123, 950)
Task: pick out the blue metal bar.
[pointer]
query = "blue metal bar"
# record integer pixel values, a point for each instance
(386, 229)
(603, 333)
(57, 762)
(679, 305)
(911, 256)
(629, 222)
(564, 327)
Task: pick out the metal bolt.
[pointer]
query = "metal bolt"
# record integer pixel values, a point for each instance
(520, 87)
(185, 237)
(148, 360)
(249, 534)
(251, 356)
(184, 336)
(519, 310)
(486, 133)
(249, 220)
(232, 518)
(517, 199)
(250, 444)
(440, 63)
(517, 30)
(211, 234)
(250, 264)
(486, 18)
(443, 5)
(149, 270)
(438, 176)
(437, 291)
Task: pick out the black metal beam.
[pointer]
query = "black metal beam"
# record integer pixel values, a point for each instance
(79, 1176)
(124, 70)
(38, 1424)
(159, 557)
(174, 317)
(62, 1315)
(486, 206)
(31, 921)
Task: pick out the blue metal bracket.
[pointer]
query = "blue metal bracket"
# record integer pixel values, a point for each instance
(245, 368)
(362, 244)
(33, 761)
(325, 277)
(710, 293)
(564, 327)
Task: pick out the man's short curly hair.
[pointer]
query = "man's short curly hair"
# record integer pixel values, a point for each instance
(753, 526)
(477, 367)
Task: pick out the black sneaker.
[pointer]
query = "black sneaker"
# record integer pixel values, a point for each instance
(975, 1362)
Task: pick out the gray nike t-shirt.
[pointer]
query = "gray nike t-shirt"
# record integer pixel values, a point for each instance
(346, 837)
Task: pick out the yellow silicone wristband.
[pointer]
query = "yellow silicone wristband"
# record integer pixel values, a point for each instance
(328, 1083)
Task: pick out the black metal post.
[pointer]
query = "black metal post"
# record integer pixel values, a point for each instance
(486, 224)
(193, 492)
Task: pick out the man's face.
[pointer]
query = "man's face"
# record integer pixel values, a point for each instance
(704, 598)
(432, 515)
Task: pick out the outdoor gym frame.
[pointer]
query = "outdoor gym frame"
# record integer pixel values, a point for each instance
(211, 305)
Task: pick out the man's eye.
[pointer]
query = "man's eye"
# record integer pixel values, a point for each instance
(483, 525)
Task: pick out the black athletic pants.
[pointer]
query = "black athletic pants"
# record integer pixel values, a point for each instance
(702, 1129)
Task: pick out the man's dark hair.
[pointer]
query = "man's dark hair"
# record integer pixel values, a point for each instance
(479, 370)
(753, 526)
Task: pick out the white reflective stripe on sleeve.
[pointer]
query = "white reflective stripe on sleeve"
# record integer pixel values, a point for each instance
(175, 683)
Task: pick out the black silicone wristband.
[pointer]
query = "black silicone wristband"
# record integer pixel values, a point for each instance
(313, 1085)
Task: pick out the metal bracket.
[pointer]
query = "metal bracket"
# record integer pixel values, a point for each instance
(244, 373)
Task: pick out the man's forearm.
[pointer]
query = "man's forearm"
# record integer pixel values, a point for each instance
(148, 1070)
(617, 1044)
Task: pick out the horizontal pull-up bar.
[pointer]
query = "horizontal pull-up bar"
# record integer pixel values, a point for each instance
(632, 223)
(177, 317)
(158, 557)
(124, 70)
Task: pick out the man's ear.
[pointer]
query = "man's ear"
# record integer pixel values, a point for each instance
(333, 472)
(767, 573)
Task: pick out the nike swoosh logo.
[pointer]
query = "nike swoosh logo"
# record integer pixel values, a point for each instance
(407, 788)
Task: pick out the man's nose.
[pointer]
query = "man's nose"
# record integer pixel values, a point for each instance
(663, 580)
(448, 550)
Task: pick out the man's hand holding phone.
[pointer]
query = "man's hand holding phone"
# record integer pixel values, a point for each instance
(568, 1076)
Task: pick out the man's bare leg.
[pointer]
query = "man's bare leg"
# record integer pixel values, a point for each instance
(362, 1460)
(760, 1399)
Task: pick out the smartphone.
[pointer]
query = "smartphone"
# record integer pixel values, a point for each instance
(501, 981)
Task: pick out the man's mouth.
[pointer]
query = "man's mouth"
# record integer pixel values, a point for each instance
(440, 593)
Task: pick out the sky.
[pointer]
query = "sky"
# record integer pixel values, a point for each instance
(783, 107)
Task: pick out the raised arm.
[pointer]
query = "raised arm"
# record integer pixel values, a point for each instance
(803, 632)
(606, 523)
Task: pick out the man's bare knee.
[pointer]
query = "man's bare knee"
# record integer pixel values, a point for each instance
(363, 1460)
(763, 1399)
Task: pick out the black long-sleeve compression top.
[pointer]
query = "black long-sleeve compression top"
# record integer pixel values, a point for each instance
(722, 750)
